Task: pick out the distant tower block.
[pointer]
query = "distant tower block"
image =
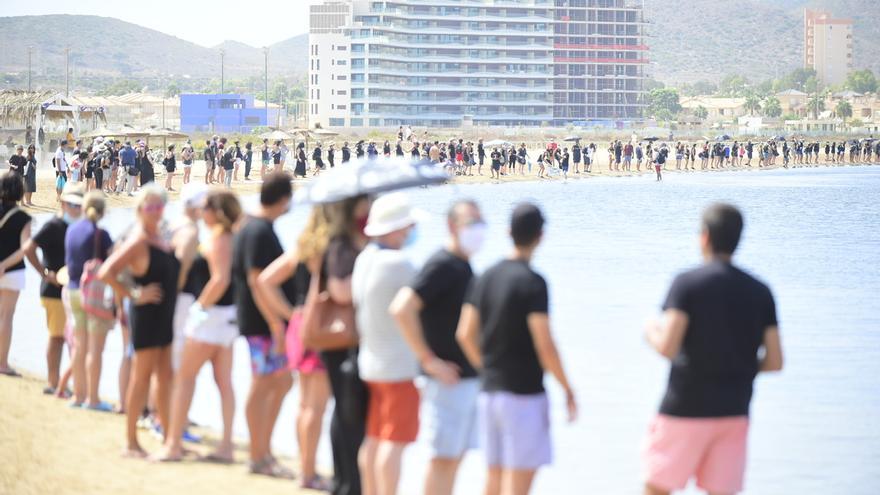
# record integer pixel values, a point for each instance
(828, 46)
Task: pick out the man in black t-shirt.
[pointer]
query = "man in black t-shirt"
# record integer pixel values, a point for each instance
(50, 240)
(427, 312)
(254, 248)
(716, 320)
(505, 330)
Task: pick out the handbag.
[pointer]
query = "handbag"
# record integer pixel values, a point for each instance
(327, 325)
(94, 292)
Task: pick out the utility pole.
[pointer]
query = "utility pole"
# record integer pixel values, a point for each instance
(266, 82)
(222, 56)
(67, 71)
(30, 52)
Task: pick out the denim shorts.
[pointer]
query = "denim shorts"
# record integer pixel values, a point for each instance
(450, 417)
(515, 430)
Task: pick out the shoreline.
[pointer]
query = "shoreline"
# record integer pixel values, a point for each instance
(50, 448)
(44, 198)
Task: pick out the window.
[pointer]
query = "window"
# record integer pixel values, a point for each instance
(342, 62)
(318, 64)
(337, 122)
(226, 104)
(357, 122)
(341, 78)
(341, 107)
(317, 94)
(342, 92)
(252, 120)
(342, 48)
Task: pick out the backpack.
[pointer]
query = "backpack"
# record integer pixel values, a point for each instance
(94, 292)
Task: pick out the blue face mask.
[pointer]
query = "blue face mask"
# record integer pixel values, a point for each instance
(411, 237)
(68, 218)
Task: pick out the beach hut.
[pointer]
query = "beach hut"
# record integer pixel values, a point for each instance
(41, 108)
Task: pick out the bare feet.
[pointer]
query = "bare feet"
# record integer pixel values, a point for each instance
(167, 454)
(135, 452)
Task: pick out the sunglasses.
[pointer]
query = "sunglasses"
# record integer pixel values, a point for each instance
(72, 205)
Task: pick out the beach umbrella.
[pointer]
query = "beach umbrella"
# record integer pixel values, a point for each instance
(498, 142)
(276, 135)
(101, 131)
(572, 139)
(323, 133)
(366, 176)
(723, 137)
(779, 138)
(651, 138)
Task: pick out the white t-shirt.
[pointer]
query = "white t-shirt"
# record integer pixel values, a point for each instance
(384, 354)
(60, 160)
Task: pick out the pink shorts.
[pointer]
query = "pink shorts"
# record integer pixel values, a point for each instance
(712, 450)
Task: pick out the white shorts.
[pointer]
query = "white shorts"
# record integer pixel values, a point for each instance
(181, 309)
(450, 417)
(13, 280)
(216, 325)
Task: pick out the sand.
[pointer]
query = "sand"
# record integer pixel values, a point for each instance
(48, 448)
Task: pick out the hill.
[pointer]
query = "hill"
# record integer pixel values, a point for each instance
(759, 39)
(132, 50)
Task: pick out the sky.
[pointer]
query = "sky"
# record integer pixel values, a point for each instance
(261, 23)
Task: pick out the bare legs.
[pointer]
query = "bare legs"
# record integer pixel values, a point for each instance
(146, 362)
(440, 479)
(314, 392)
(8, 300)
(509, 481)
(94, 361)
(379, 462)
(263, 404)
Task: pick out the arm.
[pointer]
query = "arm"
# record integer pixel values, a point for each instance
(548, 355)
(772, 360)
(219, 263)
(120, 260)
(186, 244)
(30, 252)
(18, 255)
(468, 334)
(253, 276)
(405, 309)
(667, 334)
(269, 284)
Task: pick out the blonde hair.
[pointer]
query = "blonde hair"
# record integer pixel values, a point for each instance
(315, 237)
(94, 205)
(225, 206)
(151, 190)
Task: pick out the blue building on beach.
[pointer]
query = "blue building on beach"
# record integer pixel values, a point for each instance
(224, 113)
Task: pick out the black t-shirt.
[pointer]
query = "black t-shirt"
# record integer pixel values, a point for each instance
(442, 285)
(728, 312)
(10, 235)
(50, 240)
(505, 296)
(17, 161)
(255, 247)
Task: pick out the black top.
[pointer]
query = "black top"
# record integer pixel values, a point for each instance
(442, 285)
(152, 325)
(505, 296)
(17, 163)
(338, 263)
(50, 240)
(198, 277)
(10, 235)
(299, 285)
(255, 247)
(728, 312)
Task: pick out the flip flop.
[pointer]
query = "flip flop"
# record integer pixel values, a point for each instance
(48, 391)
(99, 407)
(10, 373)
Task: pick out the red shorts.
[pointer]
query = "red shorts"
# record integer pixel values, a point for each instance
(712, 450)
(393, 411)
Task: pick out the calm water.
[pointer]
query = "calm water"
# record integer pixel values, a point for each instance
(611, 248)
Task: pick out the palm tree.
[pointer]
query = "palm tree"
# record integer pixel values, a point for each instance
(843, 110)
(752, 104)
(817, 104)
(701, 113)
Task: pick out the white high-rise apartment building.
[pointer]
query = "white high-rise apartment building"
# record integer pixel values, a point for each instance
(828, 46)
(440, 63)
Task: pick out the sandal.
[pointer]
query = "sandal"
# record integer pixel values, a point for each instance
(99, 407)
(10, 373)
(268, 467)
(317, 483)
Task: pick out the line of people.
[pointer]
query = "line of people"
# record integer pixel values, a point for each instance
(356, 320)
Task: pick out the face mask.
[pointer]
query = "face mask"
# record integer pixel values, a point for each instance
(361, 223)
(68, 218)
(411, 237)
(471, 238)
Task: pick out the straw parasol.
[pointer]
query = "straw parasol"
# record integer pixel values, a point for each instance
(101, 131)
(276, 135)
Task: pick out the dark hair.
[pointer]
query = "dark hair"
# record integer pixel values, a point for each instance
(83, 155)
(452, 216)
(275, 188)
(724, 224)
(11, 188)
(526, 224)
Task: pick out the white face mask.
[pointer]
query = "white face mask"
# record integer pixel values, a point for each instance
(471, 238)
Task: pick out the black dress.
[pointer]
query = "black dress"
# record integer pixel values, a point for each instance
(146, 168)
(30, 176)
(300, 169)
(152, 325)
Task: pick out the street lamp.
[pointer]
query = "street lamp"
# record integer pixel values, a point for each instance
(67, 71)
(266, 82)
(30, 52)
(222, 56)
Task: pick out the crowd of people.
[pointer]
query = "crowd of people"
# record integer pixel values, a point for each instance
(355, 320)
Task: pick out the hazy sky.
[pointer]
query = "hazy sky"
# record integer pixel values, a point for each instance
(255, 22)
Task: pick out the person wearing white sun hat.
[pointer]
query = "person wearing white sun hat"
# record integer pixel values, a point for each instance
(386, 363)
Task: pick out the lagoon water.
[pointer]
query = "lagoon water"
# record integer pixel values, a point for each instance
(611, 248)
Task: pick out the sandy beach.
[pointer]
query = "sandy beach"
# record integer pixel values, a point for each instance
(50, 448)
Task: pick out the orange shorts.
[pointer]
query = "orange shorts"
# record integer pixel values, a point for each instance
(393, 411)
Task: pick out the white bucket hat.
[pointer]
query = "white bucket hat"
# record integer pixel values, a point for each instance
(390, 213)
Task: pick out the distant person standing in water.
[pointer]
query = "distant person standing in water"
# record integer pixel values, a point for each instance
(719, 330)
